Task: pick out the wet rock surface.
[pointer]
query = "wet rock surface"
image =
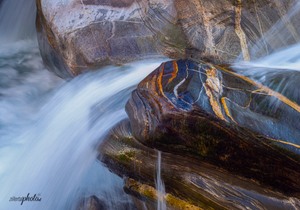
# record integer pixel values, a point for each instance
(92, 203)
(75, 36)
(78, 35)
(219, 116)
(190, 183)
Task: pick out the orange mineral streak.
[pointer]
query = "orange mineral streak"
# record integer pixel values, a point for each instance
(227, 112)
(213, 89)
(174, 73)
(159, 80)
(265, 89)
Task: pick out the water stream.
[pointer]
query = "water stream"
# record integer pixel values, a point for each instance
(51, 128)
(160, 187)
(17, 20)
(275, 58)
(278, 48)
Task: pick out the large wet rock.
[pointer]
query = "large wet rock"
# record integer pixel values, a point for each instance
(216, 115)
(190, 183)
(77, 35)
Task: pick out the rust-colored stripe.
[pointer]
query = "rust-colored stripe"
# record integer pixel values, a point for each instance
(159, 79)
(174, 72)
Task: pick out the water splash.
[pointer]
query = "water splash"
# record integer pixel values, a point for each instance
(49, 141)
(160, 187)
(17, 20)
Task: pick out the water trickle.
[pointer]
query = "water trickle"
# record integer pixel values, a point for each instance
(160, 187)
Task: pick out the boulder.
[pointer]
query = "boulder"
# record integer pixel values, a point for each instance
(78, 35)
(218, 116)
(190, 183)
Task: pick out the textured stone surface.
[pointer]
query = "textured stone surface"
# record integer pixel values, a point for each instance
(222, 117)
(190, 183)
(78, 35)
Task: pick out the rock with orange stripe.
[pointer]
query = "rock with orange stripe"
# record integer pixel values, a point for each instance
(214, 114)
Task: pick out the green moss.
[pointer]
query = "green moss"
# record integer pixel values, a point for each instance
(126, 156)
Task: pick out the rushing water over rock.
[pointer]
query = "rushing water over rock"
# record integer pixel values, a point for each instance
(279, 47)
(50, 130)
(283, 34)
(275, 59)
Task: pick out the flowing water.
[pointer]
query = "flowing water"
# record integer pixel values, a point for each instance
(50, 128)
(275, 63)
(160, 187)
(276, 57)
(282, 35)
(279, 48)
(17, 19)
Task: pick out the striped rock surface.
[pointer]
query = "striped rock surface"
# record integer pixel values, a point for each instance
(76, 35)
(220, 116)
(189, 183)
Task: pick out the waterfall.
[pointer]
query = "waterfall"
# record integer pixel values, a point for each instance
(17, 20)
(160, 187)
(50, 130)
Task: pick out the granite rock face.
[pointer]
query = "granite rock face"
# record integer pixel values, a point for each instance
(219, 116)
(77, 35)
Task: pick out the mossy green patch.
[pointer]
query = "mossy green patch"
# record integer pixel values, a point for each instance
(126, 156)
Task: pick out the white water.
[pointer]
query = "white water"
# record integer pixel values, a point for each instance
(288, 58)
(17, 20)
(50, 129)
(160, 187)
